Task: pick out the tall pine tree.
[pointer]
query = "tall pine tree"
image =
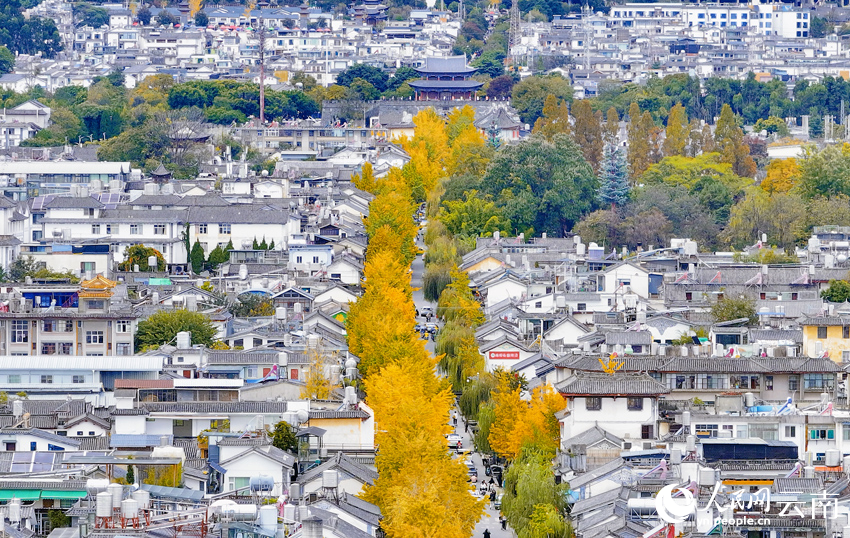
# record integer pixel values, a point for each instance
(196, 257)
(613, 178)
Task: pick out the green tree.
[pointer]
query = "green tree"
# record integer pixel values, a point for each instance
(86, 14)
(164, 18)
(271, 245)
(820, 27)
(139, 255)
(825, 172)
(229, 245)
(729, 142)
(196, 257)
(7, 60)
(401, 75)
(131, 475)
(528, 95)
(530, 488)
(587, 133)
(614, 180)
(472, 216)
(837, 292)
(163, 326)
(374, 76)
(202, 20)
(772, 125)
(58, 519)
(283, 437)
(27, 35)
(541, 186)
(217, 257)
(363, 90)
(263, 245)
(144, 15)
(730, 308)
(255, 245)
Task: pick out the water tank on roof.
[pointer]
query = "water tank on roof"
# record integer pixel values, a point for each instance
(103, 504)
(280, 313)
(749, 399)
(184, 340)
(289, 513)
(143, 497)
(330, 479)
(690, 443)
(129, 508)
(686, 418)
(268, 518)
(240, 512)
(243, 271)
(261, 483)
(117, 492)
(96, 485)
(808, 471)
(17, 408)
(707, 477)
(833, 458)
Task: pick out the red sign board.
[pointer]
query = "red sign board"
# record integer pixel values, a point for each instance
(504, 355)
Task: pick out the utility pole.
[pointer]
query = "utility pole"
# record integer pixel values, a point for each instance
(262, 34)
(514, 36)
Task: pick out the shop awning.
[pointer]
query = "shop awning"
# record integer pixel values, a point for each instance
(22, 494)
(70, 494)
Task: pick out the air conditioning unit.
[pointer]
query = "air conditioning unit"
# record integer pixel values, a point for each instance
(647, 446)
(627, 445)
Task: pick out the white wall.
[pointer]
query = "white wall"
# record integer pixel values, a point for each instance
(614, 417)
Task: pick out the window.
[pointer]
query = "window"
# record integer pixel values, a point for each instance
(315, 259)
(768, 382)
(538, 304)
(820, 434)
(845, 432)
(793, 382)
(688, 296)
(634, 404)
(46, 379)
(234, 483)
(15, 379)
(818, 381)
(134, 229)
(79, 379)
(298, 259)
(224, 229)
(706, 430)
(95, 229)
(91, 433)
(65, 348)
(20, 331)
(37, 235)
(96, 305)
(122, 349)
(94, 337)
(159, 229)
(293, 374)
(50, 325)
(581, 307)
(845, 331)
(647, 432)
(821, 332)
(768, 432)
(122, 326)
(593, 404)
(87, 266)
(48, 348)
(108, 229)
(202, 228)
(791, 431)
(33, 446)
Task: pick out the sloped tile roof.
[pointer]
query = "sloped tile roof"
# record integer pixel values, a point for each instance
(612, 385)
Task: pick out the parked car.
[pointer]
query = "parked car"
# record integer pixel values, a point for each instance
(426, 311)
(455, 441)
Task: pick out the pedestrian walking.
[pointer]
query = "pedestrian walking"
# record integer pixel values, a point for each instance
(504, 522)
(486, 533)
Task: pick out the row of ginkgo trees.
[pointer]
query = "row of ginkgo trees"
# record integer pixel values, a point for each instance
(421, 490)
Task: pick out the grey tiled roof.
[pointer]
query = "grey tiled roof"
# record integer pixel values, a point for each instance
(238, 214)
(343, 463)
(215, 407)
(798, 485)
(591, 437)
(596, 474)
(719, 365)
(628, 338)
(826, 320)
(237, 357)
(776, 335)
(339, 414)
(612, 385)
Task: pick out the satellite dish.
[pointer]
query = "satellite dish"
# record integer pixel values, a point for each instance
(302, 415)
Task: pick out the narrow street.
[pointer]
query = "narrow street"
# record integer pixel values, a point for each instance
(490, 519)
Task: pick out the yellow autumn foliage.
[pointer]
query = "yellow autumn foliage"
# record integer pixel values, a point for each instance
(782, 175)
(519, 422)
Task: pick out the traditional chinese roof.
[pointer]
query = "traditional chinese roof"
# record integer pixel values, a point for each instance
(450, 64)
